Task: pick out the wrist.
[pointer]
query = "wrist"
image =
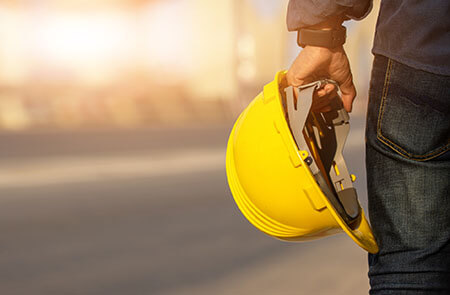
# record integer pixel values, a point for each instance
(324, 50)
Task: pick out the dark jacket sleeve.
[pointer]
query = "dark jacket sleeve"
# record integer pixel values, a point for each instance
(304, 13)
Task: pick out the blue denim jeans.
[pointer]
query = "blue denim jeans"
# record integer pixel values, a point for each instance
(408, 179)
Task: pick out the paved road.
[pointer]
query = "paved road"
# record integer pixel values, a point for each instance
(176, 232)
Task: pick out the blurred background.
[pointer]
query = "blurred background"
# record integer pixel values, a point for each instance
(114, 117)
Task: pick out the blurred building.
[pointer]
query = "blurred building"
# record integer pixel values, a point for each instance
(127, 63)
(73, 64)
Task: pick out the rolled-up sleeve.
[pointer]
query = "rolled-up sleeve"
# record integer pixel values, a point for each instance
(304, 13)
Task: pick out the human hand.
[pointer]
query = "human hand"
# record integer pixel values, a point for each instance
(315, 63)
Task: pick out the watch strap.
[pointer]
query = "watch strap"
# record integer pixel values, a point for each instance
(322, 38)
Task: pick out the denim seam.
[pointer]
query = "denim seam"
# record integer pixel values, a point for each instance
(388, 142)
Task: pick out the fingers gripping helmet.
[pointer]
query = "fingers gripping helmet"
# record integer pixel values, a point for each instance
(286, 171)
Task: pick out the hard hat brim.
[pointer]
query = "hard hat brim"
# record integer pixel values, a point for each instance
(361, 235)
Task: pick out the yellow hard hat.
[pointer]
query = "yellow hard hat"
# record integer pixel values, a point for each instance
(286, 171)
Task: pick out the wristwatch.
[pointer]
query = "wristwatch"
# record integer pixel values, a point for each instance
(322, 38)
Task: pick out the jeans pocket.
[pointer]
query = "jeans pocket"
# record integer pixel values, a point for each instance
(412, 120)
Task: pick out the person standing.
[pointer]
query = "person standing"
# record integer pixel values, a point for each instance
(407, 131)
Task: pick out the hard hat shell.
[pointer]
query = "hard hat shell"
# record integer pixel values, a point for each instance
(272, 184)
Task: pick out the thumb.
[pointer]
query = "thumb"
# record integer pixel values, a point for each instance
(348, 91)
